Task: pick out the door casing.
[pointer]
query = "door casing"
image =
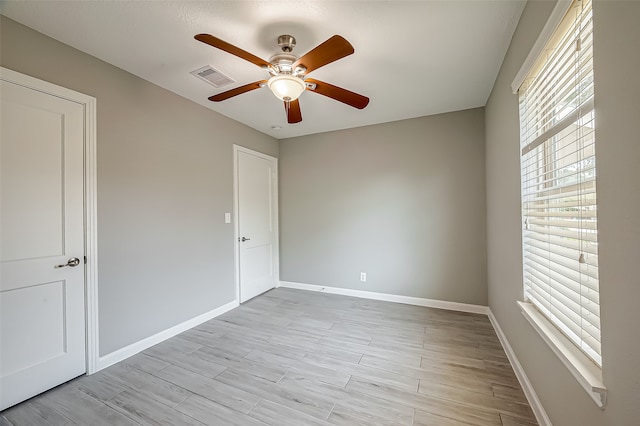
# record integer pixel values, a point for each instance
(236, 215)
(90, 201)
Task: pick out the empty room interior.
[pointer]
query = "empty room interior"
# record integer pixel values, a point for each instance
(190, 236)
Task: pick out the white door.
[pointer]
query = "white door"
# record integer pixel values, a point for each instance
(42, 313)
(257, 225)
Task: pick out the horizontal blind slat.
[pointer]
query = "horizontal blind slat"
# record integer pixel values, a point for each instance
(543, 273)
(573, 299)
(571, 269)
(587, 247)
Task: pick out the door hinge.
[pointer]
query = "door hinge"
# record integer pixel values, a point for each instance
(85, 260)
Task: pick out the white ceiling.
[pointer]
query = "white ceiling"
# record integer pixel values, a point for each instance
(412, 58)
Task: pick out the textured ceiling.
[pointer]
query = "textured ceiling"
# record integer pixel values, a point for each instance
(412, 58)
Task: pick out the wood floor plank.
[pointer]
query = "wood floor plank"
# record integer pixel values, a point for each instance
(422, 418)
(278, 415)
(147, 411)
(355, 401)
(212, 389)
(514, 421)
(244, 316)
(312, 322)
(304, 347)
(146, 363)
(349, 337)
(492, 376)
(314, 404)
(426, 403)
(230, 346)
(450, 355)
(229, 360)
(212, 413)
(99, 385)
(82, 409)
(431, 373)
(292, 338)
(376, 327)
(389, 354)
(34, 413)
(331, 376)
(222, 329)
(512, 393)
(403, 382)
(140, 381)
(171, 347)
(296, 336)
(345, 416)
(202, 337)
(475, 399)
(195, 364)
(239, 341)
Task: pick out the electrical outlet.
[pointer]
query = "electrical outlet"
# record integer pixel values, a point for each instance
(363, 276)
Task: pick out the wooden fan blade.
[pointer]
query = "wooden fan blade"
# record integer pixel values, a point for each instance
(292, 108)
(338, 93)
(230, 48)
(331, 50)
(237, 91)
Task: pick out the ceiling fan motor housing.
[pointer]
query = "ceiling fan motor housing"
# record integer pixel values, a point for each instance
(287, 42)
(282, 62)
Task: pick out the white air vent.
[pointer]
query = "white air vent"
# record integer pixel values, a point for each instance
(212, 76)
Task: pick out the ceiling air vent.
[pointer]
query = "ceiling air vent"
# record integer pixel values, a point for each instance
(212, 76)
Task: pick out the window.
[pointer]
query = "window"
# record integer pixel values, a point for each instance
(558, 165)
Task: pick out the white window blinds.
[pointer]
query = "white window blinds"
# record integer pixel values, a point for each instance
(560, 245)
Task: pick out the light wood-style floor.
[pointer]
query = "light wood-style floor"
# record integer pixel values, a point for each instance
(291, 357)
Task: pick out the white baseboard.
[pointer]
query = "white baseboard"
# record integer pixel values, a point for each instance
(530, 393)
(139, 346)
(408, 300)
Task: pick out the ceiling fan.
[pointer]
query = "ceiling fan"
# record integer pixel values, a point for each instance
(289, 72)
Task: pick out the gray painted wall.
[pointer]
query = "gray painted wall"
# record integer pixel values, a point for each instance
(165, 180)
(617, 59)
(403, 202)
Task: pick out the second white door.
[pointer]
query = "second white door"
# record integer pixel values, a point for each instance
(257, 227)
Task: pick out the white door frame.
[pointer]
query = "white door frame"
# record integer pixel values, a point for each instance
(90, 204)
(236, 215)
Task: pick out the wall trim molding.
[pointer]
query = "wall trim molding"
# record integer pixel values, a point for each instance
(139, 346)
(408, 300)
(90, 201)
(527, 387)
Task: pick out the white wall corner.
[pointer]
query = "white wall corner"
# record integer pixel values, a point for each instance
(139, 346)
(408, 300)
(527, 387)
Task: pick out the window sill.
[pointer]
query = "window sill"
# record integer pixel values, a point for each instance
(588, 374)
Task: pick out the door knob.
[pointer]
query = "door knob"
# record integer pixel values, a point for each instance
(245, 239)
(73, 262)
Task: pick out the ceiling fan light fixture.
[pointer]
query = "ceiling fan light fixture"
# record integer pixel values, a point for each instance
(286, 87)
